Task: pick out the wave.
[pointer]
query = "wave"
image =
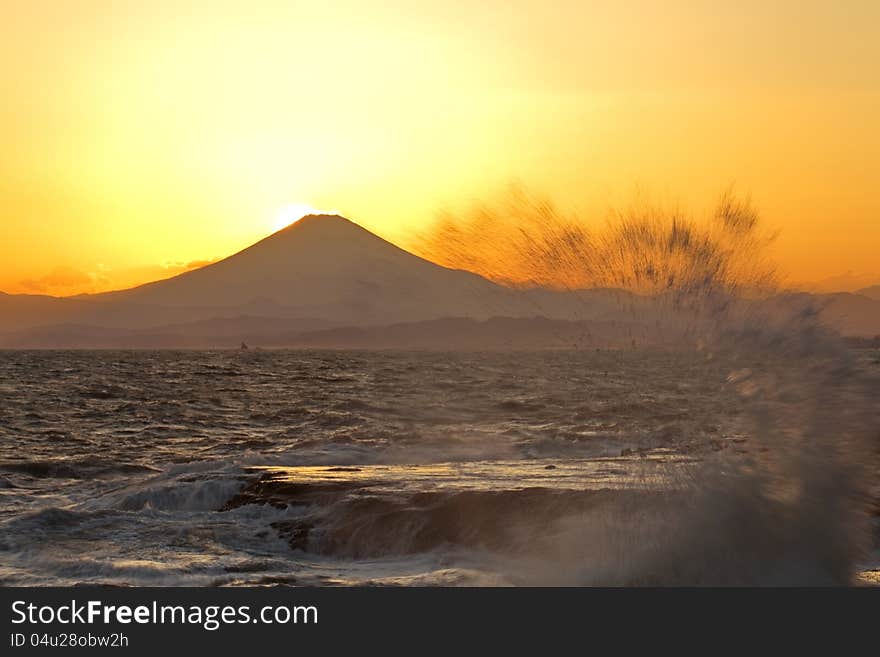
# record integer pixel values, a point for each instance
(48, 519)
(206, 492)
(791, 506)
(348, 518)
(73, 468)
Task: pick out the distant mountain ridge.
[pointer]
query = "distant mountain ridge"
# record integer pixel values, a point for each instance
(327, 281)
(449, 333)
(872, 292)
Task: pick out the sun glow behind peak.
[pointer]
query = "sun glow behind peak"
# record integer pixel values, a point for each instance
(292, 213)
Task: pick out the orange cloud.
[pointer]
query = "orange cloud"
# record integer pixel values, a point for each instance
(60, 280)
(70, 281)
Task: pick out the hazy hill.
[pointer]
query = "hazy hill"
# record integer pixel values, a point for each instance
(456, 333)
(453, 333)
(872, 292)
(851, 314)
(18, 311)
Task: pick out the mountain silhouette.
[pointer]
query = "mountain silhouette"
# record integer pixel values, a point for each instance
(327, 267)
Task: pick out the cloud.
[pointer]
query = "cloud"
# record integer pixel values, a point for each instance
(67, 281)
(198, 264)
(60, 279)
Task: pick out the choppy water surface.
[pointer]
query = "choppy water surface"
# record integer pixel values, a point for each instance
(261, 467)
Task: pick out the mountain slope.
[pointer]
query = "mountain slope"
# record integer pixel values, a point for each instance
(851, 314)
(327, 267)
(872, 292)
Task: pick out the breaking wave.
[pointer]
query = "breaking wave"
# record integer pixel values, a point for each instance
(794, 507)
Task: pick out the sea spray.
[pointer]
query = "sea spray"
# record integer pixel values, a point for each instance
(788, 508)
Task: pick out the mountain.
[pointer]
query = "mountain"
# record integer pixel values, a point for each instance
(458, 333)
(326, 267)
(322, 267)
(327, 281)
(19, 311)
(872, 292)
(851, 314)
(322, 271)
(451, 333)
(847, 282)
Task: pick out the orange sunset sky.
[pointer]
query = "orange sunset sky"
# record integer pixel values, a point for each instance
(142, 138)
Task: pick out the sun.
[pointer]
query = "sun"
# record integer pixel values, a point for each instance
(290, 214)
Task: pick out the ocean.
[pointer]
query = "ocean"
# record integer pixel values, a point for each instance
(215, 468)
